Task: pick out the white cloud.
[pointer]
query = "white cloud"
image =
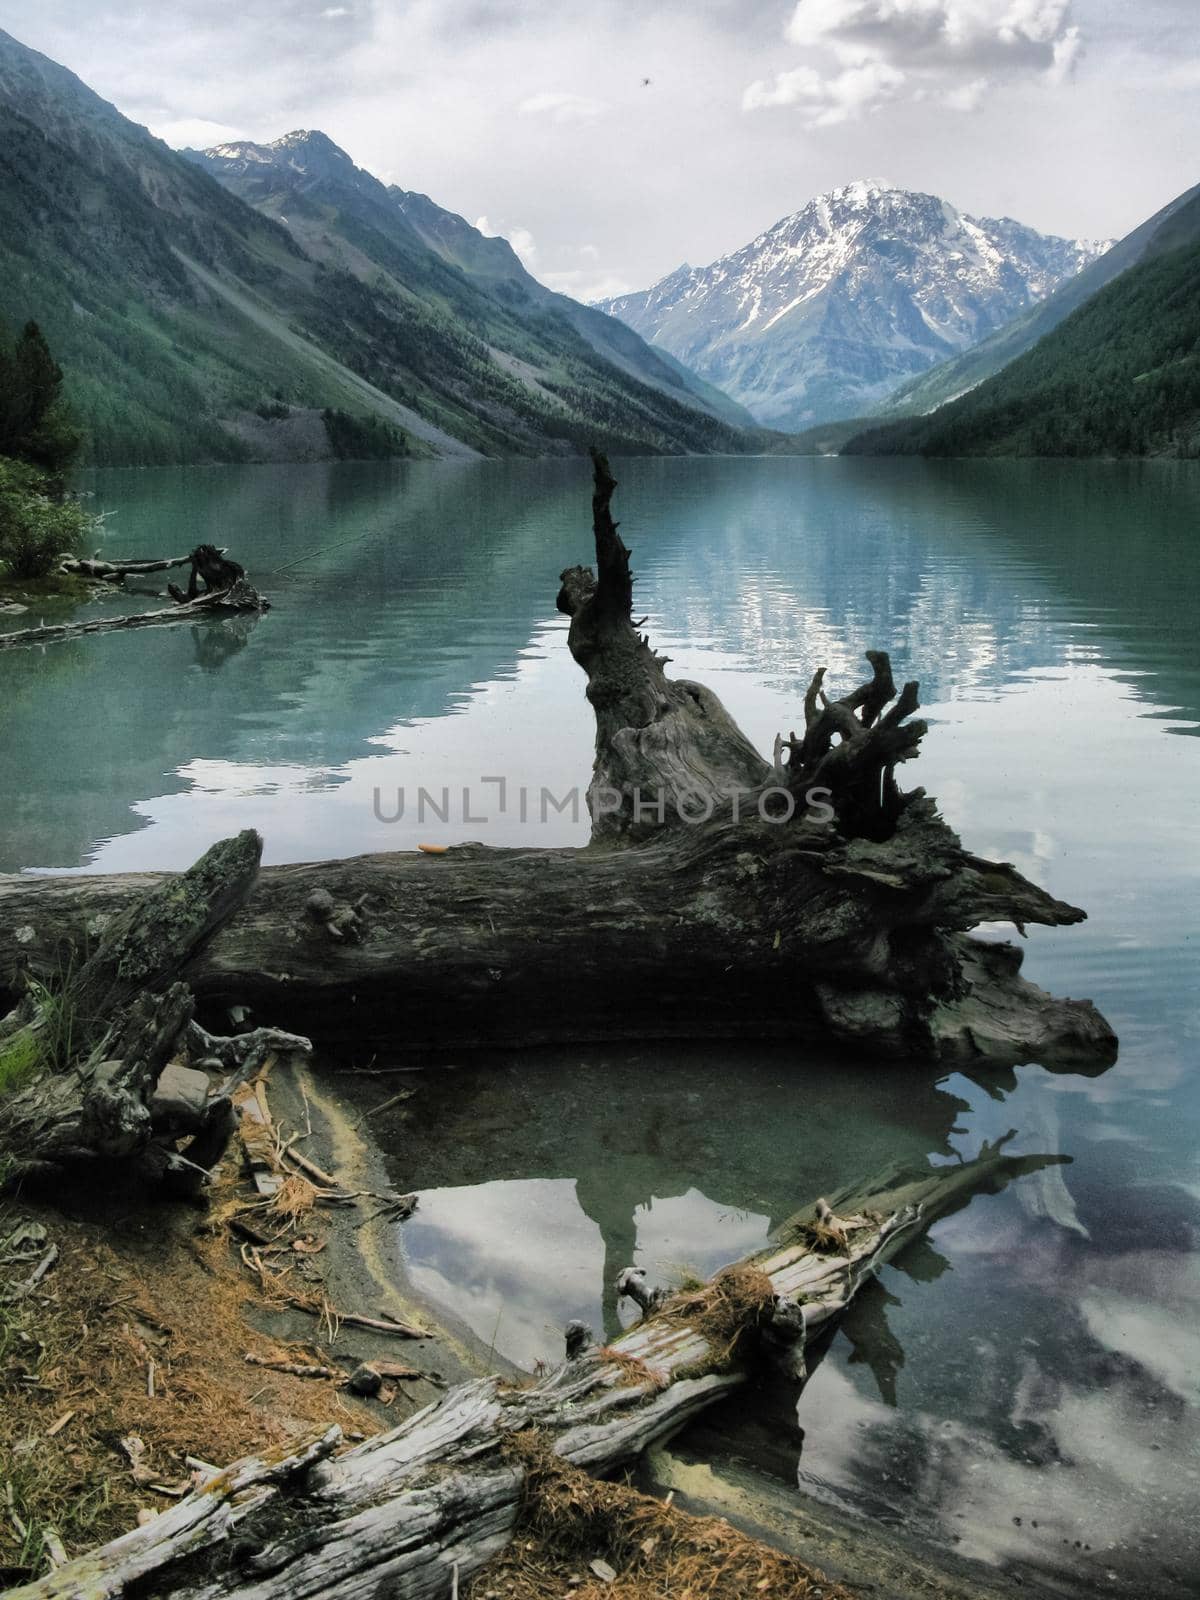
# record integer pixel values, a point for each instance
(1067, 51)
(951, 52)
(195, 133)
(521, 239)
(332, 13)
(842, 97)
(523, 243)
(588, 286)
(966, 96)
(562, 106)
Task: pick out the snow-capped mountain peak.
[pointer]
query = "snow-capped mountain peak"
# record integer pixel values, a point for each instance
(838, 303)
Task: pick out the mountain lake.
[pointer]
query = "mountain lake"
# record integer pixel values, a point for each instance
(1021, 1387)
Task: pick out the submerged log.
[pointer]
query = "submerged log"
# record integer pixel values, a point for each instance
(91, 1051)
(720, 895)
(238, 599)
(393, 1518)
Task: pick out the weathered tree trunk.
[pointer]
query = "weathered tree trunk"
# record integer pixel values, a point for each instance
(393, 1518)
(116, 571)
(720, 894)
(95, 1046)
(745, 929)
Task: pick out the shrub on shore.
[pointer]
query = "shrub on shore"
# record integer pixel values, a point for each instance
(36, 529)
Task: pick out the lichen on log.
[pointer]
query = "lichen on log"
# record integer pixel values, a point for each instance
(99, 1041)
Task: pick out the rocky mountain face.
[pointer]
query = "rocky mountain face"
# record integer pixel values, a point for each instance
(832, 309)
(314, 314)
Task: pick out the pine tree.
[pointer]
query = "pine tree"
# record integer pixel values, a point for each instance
(35, 423)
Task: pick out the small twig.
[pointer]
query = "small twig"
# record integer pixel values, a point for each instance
(385, 1105)
(150, 1380)
(22, 1530)
(20, 1290)
(311, 1168)
(383, 1072)
(295, 1369)
(401, 1330)
(53, 1546)
(244, 1231)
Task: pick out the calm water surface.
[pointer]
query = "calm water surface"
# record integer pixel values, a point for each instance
(1023, 1385)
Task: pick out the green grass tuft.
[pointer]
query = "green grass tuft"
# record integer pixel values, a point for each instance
(20, 1061)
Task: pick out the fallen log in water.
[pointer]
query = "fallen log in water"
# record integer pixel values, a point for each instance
(738, 929)
(238, 599)
(393, 1518)
(721, 893)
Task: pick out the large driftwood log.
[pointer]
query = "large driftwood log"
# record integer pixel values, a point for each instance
(721, 894)
(739, 929)
(94, 1047)
(393, 1518)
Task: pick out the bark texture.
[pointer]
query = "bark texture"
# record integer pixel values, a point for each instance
(739, 929)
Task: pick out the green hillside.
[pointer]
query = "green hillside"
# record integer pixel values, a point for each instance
(194, 328)
(1120, 377)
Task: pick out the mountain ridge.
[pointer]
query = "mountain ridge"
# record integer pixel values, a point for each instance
(195, 327)
(308, 164)
(834, 306)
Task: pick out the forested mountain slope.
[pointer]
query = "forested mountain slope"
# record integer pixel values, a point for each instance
(1121, 376)
(192, 327)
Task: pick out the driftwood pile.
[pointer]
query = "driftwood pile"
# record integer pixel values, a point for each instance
(808, 896)
(226, 593)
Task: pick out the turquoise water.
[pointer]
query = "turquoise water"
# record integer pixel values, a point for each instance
(1025, 1386)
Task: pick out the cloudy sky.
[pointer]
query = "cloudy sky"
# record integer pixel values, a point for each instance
(1077, 116)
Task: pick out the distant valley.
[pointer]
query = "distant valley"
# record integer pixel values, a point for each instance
(273, 301)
